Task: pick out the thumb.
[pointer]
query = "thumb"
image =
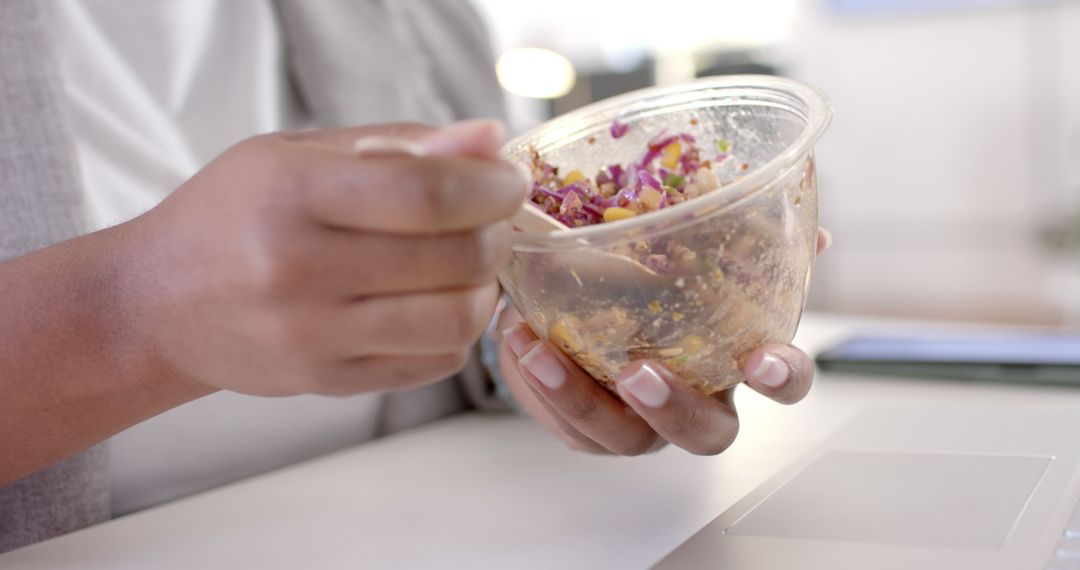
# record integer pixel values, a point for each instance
(478, 138)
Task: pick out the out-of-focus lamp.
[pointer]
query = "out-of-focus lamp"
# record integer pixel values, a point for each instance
(535, 72)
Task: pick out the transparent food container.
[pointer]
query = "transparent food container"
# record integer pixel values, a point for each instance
(741, 256)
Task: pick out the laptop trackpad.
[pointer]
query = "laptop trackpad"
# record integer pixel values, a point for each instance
(949, 500)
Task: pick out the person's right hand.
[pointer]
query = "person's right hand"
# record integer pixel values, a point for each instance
(295, 264)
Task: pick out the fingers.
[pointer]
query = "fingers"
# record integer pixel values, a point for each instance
(783, 373)
(409, 179)
(553, 420)
(348, 265)
(381, 335)
(478, 138)
(824, 240)
(659, 408)
(577, 399)
(420, 324)
(344, 139)
(527, 399)
(408, 195)
(700, 424)
(387, 373)
(382, 264)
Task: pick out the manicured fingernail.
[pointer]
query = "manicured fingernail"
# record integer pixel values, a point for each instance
(518, 337)
(826, 239)
(387, 145)
(771, 371)
(542, 364)
(447, 140)
(470, 126)
(647, 386)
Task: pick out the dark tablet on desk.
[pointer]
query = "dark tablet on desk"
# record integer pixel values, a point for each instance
(1039, 358)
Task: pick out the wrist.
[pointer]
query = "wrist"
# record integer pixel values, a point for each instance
(77, 366)
(128, 289)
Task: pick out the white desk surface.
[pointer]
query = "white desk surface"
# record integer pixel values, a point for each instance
(495, 491)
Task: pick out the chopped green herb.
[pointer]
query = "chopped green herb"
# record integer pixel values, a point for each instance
(674, 180)
(724, 145)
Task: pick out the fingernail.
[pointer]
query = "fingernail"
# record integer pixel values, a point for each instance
(470, 126)
(449, 138)
(826, 239)
(387, 145)
(542, 364)
(518, 337)
(647, 386)
(771, 371)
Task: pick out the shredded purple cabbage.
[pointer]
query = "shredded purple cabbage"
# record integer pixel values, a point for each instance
(669, 173)
(618, 129)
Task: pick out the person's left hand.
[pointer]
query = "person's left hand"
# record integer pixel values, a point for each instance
(657, 408)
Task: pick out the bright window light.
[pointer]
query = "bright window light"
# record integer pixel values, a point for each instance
(535, 72)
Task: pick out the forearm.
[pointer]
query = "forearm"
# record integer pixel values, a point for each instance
(75, 368)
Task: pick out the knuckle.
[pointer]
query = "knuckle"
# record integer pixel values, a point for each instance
(432, 369)
(273, 261)
(268, 153)
(456, 362)
(253, 147)
(688, 424)
(640, 445)
(718, 444)
(437, 192)
(583, 446)
(467, 319)
(499, 246)
(294, 335)
(511, 183)
(482, 253)
(334, 384)
(584, 408)
(659, 444)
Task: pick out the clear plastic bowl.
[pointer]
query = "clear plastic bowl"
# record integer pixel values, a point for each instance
(746, 249)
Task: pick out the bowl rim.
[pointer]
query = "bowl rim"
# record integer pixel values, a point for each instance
(818, 116)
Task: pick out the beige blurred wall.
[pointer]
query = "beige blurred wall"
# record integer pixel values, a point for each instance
(955, 135)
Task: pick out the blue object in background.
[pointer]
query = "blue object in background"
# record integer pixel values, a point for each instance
(1026, 358)
(905, 6)
(1030, 348)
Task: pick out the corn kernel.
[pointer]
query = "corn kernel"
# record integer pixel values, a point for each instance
(706, 180)
(650, 197)
(572, 177)
(671, 155)
(669, 352)
(563, 333)
(615, 214)
(692, 344)
(654, 307)
(677, 317)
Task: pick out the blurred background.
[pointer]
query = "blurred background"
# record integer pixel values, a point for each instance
(950, 177)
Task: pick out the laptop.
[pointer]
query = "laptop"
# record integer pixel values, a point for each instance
(918, 484)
